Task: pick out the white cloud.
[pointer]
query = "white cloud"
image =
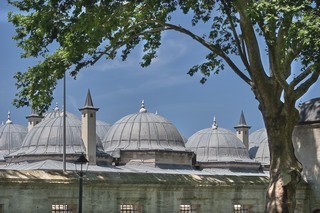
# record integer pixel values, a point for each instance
(171, 50)
(150, 85)
(117, 64)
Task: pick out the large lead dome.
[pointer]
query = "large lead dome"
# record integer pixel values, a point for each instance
(102, 128)
(213, 145)
(11, 137)
(258, 146)
(143, 131)
(257, 138)
(46, 138)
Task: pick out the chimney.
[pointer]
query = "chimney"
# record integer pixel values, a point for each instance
(88, 128)
(243, 130)
(33, 119)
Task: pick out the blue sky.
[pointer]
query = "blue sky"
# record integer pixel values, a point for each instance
(117, 87)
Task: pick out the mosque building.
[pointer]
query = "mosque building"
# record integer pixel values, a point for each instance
(142, 163)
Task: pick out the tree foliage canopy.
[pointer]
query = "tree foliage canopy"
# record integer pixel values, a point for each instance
(88, 30)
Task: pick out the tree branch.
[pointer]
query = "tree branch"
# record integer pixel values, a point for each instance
(276, 68)
(213, 48)
(113, 48)
(257, 70)
(303, 88)
(301, 76)
(281, 43)
(241, 49)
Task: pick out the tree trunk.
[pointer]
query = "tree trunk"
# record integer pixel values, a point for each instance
(284, 167)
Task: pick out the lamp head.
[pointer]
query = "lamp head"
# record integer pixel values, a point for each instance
(80, 162)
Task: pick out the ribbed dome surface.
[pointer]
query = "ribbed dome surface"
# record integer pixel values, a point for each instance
(258, 146)
(47, 137)
(11, 138)
(59, 113)
(217, 145)
(143, 131)
(102, 129)
(255, 139)
(263, 154)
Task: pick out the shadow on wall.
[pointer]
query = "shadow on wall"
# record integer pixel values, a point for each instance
(306, 141)
(310, 111)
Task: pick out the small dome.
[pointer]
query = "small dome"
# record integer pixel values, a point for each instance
(217, 145)
(255, 139)
(11, 137)
(263, 154)
(143, 131)
(47, 138)
(258, 146)
(102, 128)
(310, 111)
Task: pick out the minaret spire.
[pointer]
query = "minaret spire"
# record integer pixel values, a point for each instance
(242, 120)
(243, 130)
(88, 128)
(88, 102)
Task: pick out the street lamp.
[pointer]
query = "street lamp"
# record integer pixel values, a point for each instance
(80, 163)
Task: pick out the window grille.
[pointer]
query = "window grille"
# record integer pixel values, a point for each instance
(58, 208)
(128, 208)
(187, 209)
(238, 208)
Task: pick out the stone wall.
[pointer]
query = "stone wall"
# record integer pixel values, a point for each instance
(36, 191)
(306, 141)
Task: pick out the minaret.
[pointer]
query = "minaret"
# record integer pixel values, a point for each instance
(88, 129)
(243, 130)
(33, 119)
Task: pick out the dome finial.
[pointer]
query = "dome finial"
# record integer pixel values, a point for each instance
(142, 109)
(9, 118)
(214, 125)
(56, 109)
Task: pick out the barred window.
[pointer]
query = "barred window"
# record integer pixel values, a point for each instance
(129, 208)
(187, 209)
(238, 208)
(63, 208)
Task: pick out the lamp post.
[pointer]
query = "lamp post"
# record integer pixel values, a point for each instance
(80, 163)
